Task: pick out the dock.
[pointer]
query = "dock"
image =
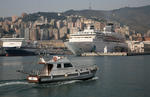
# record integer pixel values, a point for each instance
(138, 54)
(2, 52)
(105, 54)
(114, 54)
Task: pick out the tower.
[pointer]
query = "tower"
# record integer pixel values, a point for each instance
(90, 6)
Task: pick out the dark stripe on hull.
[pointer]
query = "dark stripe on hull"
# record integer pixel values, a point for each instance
(18, 52)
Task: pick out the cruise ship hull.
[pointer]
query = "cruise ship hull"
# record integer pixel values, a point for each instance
(78, 48)
(20, 51)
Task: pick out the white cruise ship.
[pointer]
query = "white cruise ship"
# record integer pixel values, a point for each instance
(90, 40)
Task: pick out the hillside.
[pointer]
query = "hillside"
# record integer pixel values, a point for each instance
(137, 17)
(48, 15)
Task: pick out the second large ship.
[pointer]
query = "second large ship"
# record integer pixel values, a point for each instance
(90, 40)
(17, 47)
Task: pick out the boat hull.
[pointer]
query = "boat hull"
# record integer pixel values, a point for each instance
(78, 48)
(60, 78)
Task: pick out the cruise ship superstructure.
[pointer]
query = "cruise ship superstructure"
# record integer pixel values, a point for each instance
(90, 40)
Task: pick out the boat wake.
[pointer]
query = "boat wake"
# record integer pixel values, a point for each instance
(13, 83)
(2, 84)
(95, 78)
(55, 84)
(75, 81)
(68, 82)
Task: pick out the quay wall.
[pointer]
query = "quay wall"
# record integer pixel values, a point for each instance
(105, 54)
(114, 54)
(137, 54)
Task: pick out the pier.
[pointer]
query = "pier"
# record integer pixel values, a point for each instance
(138, 54)
(2, 52)
(105, 54)
(114, 54)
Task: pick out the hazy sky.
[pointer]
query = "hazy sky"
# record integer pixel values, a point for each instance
(16, 7)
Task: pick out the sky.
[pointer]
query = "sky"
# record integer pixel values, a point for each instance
(17, 7)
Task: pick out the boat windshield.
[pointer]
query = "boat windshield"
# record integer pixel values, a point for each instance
(59, 65)
(66, 65)
(50, 66)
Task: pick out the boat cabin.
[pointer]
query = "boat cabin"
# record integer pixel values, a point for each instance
(58, 65)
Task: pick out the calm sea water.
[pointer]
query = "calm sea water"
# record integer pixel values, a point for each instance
(119, 76)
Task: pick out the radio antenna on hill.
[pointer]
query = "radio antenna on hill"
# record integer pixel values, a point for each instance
(90, 6)
(39, 6)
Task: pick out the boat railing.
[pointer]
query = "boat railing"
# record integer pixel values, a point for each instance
(83, 66)
(77, 65)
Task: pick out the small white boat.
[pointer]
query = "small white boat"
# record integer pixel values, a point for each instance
(61, 69)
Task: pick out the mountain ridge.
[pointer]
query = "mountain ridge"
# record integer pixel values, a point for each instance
(135, 17)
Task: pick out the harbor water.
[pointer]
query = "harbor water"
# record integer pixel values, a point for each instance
(118, 76)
